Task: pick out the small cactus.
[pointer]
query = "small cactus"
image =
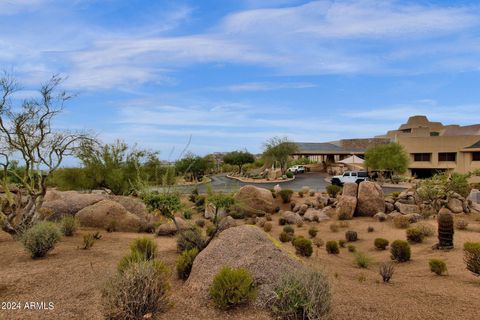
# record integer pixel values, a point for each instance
(445, 230)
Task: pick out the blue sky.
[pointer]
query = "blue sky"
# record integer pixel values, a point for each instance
(233, 73)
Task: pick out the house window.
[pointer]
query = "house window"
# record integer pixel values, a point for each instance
(447, 156)
(434, 134)
(475, 156)
(423, 157)
(407, 130)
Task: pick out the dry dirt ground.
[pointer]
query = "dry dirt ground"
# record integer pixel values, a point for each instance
(71, 278)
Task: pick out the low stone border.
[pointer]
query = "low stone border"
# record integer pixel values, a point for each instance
(206, 180)
(253, 181)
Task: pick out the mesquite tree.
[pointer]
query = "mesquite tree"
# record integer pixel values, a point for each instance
(28, 139)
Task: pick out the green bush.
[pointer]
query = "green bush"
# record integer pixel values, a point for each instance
(285, 236)
(342, 243)
(142, 288)
(351, 236)
(147, 247)
(313, 232)
(401, 222)
(351, 248)
(288, 229)
(471, 252)
(286, 195)
(300, 194)
(40, 238)
(303, 246)
(267, 227)
(332, 247)
(380, 243)
(414, 235)
(232, 287)
(187, 214)
(68, 225)
(302, 295)
(289, 174)
(437, 266)
(400, 251)
(185, 263)
(211, 230)
(362, 260)
(189, 239)
(88, 241)
(426, 229)
(333, 190)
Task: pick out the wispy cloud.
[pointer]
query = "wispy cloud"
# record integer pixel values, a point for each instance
(266, 86)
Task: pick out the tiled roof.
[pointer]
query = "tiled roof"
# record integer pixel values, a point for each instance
(476, 145)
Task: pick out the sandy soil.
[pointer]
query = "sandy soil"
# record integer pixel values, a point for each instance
(71, 278)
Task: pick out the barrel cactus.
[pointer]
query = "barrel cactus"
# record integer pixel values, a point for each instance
(445, 229)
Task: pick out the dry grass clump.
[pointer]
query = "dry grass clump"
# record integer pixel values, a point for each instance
(267, 227)
(362, 260)
(192, 238)
(426, 229)
(414, 235)
(334, 227)
(185, 263)
(332, 247)
(88, 241)
(471, 252)
(68, 225)
(40, 238)
(386, 270)
(461, 224)
(401, 222)
(232, 287)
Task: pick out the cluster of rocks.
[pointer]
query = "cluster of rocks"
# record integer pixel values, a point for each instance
(365, 199)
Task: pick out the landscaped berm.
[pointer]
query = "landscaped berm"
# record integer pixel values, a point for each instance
(256, 254)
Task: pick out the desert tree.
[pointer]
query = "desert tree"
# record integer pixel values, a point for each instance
(390, 157)
(28, 140)
(279, 150)
(239, 158)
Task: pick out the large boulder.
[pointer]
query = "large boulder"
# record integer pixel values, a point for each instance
(346, 206)
(370, 199)
(109, 214)
(132, 204)
(68, 202)
(210, 212)
(254, 201)
(242, 247)
(169, 228)
(405, 208)
(455, 205)
(291, 217)
(315, 215)
(350, 189)
(227, 222)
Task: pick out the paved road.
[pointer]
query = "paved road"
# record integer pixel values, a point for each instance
(314, 180)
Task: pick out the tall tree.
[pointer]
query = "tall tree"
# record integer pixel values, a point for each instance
(387, 157)
(279, 150)
(27, 136)
(239, 158)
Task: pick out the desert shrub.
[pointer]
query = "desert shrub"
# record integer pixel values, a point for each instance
(288, 229)
(471, 252)
(313, 232)
(237, 214)
(386, 270)
(332, 247)
(88, 241)
(200, 202)
(426, 229)
(300, 223)
(211, 229)
(200, 223)
(414, 235)
(380, 243)
(140, 289)
(351, 248)
(276, 210)
(305, 190)
(318, 242)
(401, 222)
(370, 229)
(342, 243)
(145, 246)
(187, 214)
(68, 225)
(461, 224)
(193, 195)
(286, 195)
(437, 266)
(267, 227)
(301, 194)
(189, 239)
(400, 251)
(343, 216)
(289, 174)
(303, 246)
(232, 287)
(351, 236)
(362, 260)
(312, 193)
(131, 258)
(40, 238)
(282, 221)
(333, 190)
(343, 224)
(268, 216)
(97, 236)
(303, 295)
(185, 263)
(334, 227)
(285, 236)
(292, 205)
(111, 226)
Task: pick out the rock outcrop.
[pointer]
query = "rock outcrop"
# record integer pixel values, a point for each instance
(370, 199)
(254, 201)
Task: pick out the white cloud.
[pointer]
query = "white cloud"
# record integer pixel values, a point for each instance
(266, 86)
(10, 7)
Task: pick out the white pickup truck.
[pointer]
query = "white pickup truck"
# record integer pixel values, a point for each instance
(350, 176)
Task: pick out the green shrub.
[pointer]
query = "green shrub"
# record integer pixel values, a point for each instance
(332, 247)
(400, 251)
(303, 246)
(414, 235)
(187, 214)
(342, 243)
(437, 266)
(302, 295)
(300, 194)
(426, 229)
(362, 260)
(333, 190)
(313, 232)
(232, 287)
(40, 238)
(88, 241)
(191, 238)
(267, 227)
(289, 174)
(185, 263)
(131, 258)
(286, 195)
(288, 229)
(141, 288)
(285, 236)
(200, 223)
(193, 195)
(351, 236)
(380, 243)
(471, 252)
(147, 247)
(351, 248)
(68, 225)
(200, 202)
(401, 221)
